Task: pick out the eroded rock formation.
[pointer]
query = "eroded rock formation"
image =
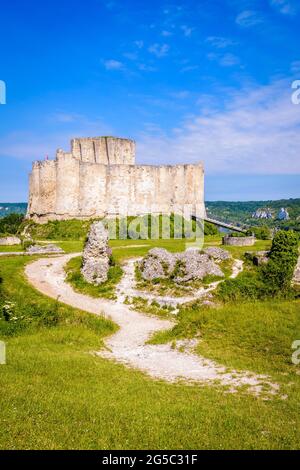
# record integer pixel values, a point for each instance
(96, 254)
(181, 267)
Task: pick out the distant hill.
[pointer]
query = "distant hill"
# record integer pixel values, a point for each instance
(241, 212)
(7, 208)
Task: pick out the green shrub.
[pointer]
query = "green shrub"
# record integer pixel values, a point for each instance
(262, 233)
(278, 272)
(247, 286)
(210, 229)
(11, 224)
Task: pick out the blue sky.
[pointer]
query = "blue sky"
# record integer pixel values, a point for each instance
(195, 80)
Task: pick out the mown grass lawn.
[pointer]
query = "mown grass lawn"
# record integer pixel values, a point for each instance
(56, 394)
(6, 249)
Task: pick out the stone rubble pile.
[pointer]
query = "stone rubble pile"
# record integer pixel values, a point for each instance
(181, 267)
(217, 253)
(44, 249)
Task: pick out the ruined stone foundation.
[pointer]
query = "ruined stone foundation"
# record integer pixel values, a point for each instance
(99, 178)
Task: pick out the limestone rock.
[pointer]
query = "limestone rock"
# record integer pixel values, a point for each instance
(296, 278)
(194, 265)
(10, 241)
(217, 253)
(183, 267)
(44, 249)
(261, 257)
(159, 263)
(96, 255)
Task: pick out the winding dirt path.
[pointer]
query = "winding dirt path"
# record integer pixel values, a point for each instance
(128, 346)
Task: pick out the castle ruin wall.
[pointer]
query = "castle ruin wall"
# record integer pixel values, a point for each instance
(82, 184)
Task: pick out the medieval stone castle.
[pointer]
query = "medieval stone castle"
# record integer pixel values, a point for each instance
(99, 178)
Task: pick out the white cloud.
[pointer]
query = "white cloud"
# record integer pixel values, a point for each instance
(139, 44)
(113, 64)
(256, 131)
(295, 66)
(64, 117)
(146, 68)
(228, 60)
(189, 68)
(166, 33)
(248, 18)
(181, 95)
(220, 42)
(286, 7)
(159, 50)
(225, 60)
(187, 31)
(57, 132)
(130, 55)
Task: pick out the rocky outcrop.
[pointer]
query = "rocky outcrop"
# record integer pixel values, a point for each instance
(159, 263)
(192, 265)
(182, 267)
(44, 249)
(10, 241)
(217, 253)
(96, 254)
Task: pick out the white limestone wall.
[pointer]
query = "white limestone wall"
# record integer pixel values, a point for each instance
(70, 188)
(105, 150)
(67, 186)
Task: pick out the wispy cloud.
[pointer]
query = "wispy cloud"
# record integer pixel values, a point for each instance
(113, 64)
(295, 66)
(189, 68)
(139, 44)
(166, 33)
(130, 55)
(286, 7)
(187, 30)
(59, 129)
(159, 50)
(181, 95)
(146, 68)
(220, 42)
(256, 131)
(225, 60)
(249, 18)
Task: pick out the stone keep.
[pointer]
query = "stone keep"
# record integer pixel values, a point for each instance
(99, 178)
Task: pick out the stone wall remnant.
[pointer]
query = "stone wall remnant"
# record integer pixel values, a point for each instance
(238, 241)
(96, 255)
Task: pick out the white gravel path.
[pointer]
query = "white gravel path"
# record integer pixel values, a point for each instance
(128, 344)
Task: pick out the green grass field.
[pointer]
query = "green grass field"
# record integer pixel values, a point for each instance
(56, 394)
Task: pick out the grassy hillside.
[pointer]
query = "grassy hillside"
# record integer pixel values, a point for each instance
(56, 394)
